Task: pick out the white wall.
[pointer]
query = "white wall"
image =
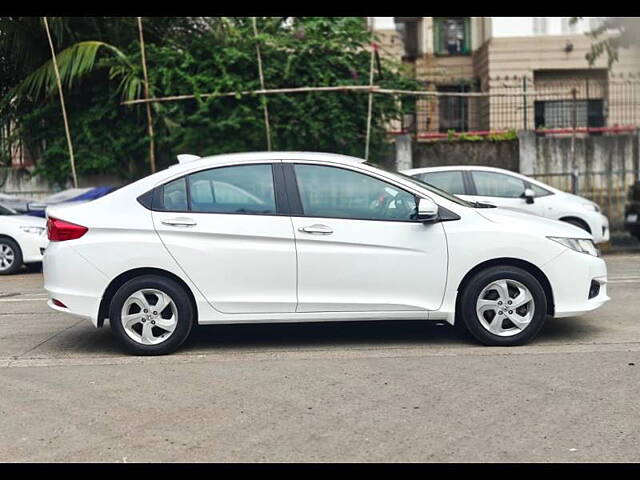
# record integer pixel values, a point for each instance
(523, 26)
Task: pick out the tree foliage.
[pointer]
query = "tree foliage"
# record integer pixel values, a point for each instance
(611, 35)
(197, 56)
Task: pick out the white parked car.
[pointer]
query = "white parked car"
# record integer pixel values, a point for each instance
(22, 240)
(298, 237)
(503, 188)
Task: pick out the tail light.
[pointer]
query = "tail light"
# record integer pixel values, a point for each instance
(59, 230)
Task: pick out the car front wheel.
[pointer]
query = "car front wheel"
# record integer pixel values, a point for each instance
(503, 305)
(151, 315)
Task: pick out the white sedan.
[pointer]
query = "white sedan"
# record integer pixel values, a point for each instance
(504, 188)
(22, 240)
(301, 237)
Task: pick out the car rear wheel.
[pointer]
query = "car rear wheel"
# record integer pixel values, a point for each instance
(503, 305)
(151, 315)
(10, 256)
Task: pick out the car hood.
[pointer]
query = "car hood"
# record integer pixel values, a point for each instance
(532, 223)
(23, 220)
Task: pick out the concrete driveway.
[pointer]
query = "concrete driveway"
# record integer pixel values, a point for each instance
(360, 391)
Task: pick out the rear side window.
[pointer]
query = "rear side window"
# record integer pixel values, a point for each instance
(448, 181)
(238, 189)
(174, 196)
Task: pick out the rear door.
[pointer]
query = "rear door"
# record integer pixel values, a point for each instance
(227, 229)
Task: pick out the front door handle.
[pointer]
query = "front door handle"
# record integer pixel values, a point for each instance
(180, 222)
(316, 229)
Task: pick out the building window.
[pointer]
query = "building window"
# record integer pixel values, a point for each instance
(452, 35)
(453, 111)
(559, 113)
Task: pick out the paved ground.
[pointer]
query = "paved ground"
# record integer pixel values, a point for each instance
(388, 391)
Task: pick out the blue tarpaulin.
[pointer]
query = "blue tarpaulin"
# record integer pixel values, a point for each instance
(89, 194)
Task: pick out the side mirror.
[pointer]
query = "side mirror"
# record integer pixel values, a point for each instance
(529, 195)
(427, 210)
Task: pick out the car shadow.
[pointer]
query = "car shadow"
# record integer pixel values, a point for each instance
(324, 334)
(85, 340)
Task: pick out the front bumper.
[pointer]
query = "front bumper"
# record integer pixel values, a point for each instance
(571, 275)
(599, 226)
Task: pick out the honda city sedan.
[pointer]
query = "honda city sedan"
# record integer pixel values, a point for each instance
(308, 237)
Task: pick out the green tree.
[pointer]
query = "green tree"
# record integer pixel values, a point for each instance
(611, 35)
(197, 56)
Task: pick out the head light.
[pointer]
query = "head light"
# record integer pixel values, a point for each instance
(582, 245)
(592, 207)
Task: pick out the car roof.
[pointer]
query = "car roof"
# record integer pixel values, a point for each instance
(458, 167)
(414, 171)
(257, 156)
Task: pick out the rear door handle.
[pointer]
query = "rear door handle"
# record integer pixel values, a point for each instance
(180, 222)
(316, 229)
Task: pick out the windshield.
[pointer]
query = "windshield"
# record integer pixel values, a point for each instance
(7, 211)
(431, 188)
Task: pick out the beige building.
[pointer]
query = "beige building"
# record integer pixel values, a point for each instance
(529, 66)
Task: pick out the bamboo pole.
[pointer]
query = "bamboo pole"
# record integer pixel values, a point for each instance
(370, 105)
(64, 110)
(261, 74)
(152, 154)
(341, 88)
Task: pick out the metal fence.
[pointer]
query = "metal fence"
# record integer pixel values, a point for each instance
(546, 105)
(609, 189)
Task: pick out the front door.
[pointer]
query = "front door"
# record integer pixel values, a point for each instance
(360, 248)
(503, 190)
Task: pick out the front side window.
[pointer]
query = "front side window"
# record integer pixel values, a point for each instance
(490, 184)
(539, 191)
(238, 189)
(448, 181)
(340, 193)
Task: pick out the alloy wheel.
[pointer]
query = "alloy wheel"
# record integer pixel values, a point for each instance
(505, 307)
(149, 316)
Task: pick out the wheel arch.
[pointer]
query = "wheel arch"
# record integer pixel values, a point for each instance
(512, 262)
(117, 282)
(584, 223)
(9, 237)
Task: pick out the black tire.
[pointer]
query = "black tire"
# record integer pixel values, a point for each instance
(34, 267)
(17, 255)
(578, 223)
(467, 305)
(183, 305)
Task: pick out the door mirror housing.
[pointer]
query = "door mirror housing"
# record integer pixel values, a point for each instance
(427, 210)
(529, 195)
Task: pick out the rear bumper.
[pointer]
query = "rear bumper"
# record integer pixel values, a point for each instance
(571, 275)
(62, 266)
